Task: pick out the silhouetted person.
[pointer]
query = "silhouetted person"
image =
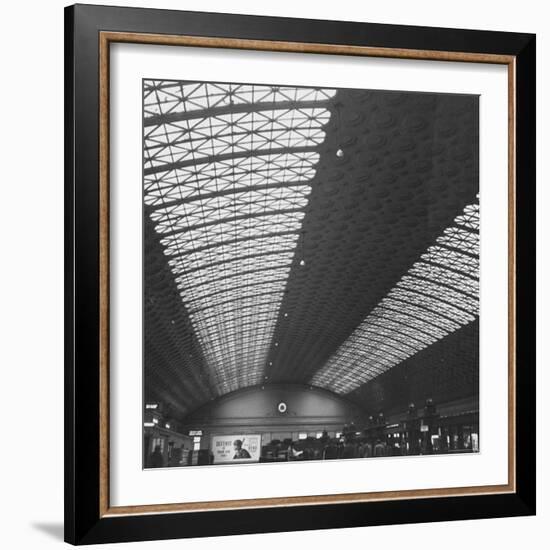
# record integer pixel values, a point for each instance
(349, 450)
(367, 450)
(175, 457)
(331, 451)
(156, 460)
(239, 451)
(379, 448)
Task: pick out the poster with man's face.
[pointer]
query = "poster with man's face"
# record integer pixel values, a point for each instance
(236, 448)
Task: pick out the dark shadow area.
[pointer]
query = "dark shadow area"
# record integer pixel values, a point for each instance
(54, 530)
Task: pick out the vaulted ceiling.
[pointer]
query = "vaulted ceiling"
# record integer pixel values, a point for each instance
(300, 235)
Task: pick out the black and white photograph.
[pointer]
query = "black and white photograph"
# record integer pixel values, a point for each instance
(299, 275)
(310, 273)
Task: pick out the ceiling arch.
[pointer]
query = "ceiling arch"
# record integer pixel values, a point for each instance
(291, 231)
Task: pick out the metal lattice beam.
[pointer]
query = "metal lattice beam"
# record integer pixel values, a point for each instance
(227, 172)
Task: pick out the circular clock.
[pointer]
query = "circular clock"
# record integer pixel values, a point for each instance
(282, 408)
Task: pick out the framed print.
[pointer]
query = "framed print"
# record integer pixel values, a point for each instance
(299, 274)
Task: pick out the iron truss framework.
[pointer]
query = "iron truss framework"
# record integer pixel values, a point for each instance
(227, 176)
(437, 296)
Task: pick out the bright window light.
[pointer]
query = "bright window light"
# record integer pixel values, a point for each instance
(227, 179)
(438, 295)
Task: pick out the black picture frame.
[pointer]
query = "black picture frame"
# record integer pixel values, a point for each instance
(84, 522)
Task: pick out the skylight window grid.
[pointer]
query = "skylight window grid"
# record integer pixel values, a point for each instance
(470, 217)
(217, 282)
(251, 243)
(230, 252)
(400, 329)
(229, 174)
(234, 327)
(427, 287)
(228, 210)
(229, 267)
(399, 342)
(232, 344)
(437, 296)
(238, 349)
(451, 259)
(227, 301)
(466, 241)
(235, 125)
(404, 314)
(210, 228)
(234, 133)
(263, 311)
(444, 276)
(161, 97)
(432, 304)
(210, 274)
(232, 310)
(230, 231)
(207, 303)
(231, 206)
(230, 285)
(235, 201)
(233, 336)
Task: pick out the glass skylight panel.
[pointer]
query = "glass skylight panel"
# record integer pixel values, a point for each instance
(412, 317)
(228, 266)
(430, 288)
(222, 281)
(233, 328)
(228, 172)
(432, 304)
(470, 218)
(226, 300)
(210, 227)
(461, 239)
(232, 205)
(246, 305)
(446, 277)
(438, 295)
(378, 335)
(229, 252)
(161, 97)
(231, 231)
(235, 283)
(400, 329)
(193, 140)
(213, 273)
(452, 259)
